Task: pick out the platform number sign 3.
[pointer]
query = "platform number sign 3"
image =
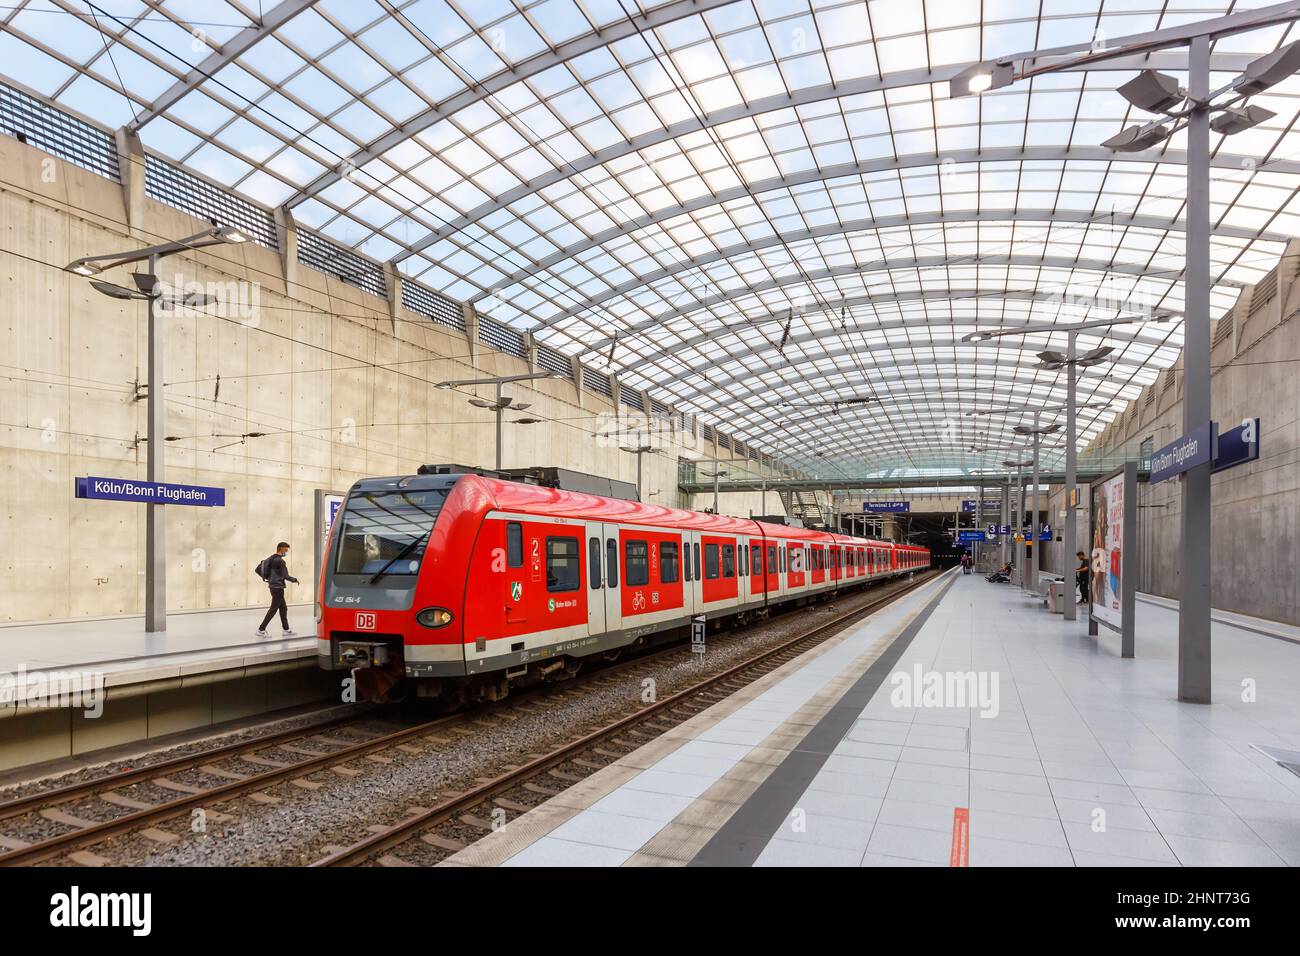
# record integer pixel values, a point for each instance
(365, 621)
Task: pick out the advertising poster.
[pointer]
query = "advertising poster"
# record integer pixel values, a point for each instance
(1107, 555)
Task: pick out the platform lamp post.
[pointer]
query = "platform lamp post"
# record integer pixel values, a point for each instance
(1019, 466)
(1037, 431)
(149, 288)
(1195, 110)
(502, 403)
(1052, 361)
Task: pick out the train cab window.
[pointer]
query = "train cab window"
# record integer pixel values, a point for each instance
(636, 564)
(728, 560)
(611, 562)
(563, 572)
(593, 563)
(514, 544)
(710, 561)
(697, 560)
(686, 560)
(668, 563)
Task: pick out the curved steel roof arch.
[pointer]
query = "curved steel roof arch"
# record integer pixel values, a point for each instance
(960, 158)
(1220, 62)
(767, 346)
(1073, 217)
(831, 303)
(987, 370)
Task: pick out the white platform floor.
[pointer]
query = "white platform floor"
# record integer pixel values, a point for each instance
(1089, 761)
(120, 647)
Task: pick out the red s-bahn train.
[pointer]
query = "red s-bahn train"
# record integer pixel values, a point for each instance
(459, 586)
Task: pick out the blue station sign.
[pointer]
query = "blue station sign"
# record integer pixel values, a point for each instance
(887, 507)
(991, 505)
(967, 536)
(1237, 446)
(1194, 448)
(150, 492)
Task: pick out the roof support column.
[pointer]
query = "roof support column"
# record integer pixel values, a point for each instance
(393, 282)
(286, 236)
(130, 167)
(471, 331)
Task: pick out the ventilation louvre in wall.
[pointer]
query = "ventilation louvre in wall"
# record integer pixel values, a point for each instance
(184, 191)
(45, 127)
(426, 302)
(501, 337)
(342, 263)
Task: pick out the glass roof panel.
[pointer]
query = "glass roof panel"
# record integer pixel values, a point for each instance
(761, 197)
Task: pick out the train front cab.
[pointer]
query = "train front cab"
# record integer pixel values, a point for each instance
(390, 595)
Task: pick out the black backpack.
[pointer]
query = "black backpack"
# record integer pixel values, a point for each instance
(260, 570)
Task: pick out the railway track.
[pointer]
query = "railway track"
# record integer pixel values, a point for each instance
(248, 768)
(461, 819)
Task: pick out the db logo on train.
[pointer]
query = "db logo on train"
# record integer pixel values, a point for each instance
(365, 621)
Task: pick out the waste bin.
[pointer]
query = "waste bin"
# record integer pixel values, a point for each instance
(1056, 596)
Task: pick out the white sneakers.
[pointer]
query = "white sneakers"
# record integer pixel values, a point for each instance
(290, 633)
(262, 633)
(287, 633)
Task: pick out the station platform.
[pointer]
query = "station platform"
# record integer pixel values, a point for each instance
(1071, 756)
(75, 687)
(119, 647)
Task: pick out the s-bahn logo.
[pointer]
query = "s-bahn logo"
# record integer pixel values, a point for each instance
(553, 604)
(550, 605)
(365, 621)
(516, 590)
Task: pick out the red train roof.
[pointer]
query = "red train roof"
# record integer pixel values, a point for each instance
(535, 499)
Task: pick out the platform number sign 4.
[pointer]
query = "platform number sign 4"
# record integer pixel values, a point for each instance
(366, 621)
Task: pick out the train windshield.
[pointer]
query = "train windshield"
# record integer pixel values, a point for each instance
(385, 533)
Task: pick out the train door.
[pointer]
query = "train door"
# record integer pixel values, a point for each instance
(613, 569)
(594, 558)
(744, 583)
(690, 573)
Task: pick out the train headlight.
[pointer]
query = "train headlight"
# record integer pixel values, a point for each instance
(434, 617)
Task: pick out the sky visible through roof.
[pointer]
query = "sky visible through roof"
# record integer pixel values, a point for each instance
(771, 202)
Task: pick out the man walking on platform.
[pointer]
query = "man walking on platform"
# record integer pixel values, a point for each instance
(275, 573)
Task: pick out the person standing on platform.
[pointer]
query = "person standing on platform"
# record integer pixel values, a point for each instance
(1081, 571)
(965, 563)
(275, 573)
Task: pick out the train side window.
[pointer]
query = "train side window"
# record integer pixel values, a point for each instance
(668, 563)
(611, 562)
(686, 560)
(636, 564)
(744, 561)
(771, 559)
(563, 572)
(728, 560)
(514, 544)
(697, 560)
(710, 561)
(593, 563)
(756, 559)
